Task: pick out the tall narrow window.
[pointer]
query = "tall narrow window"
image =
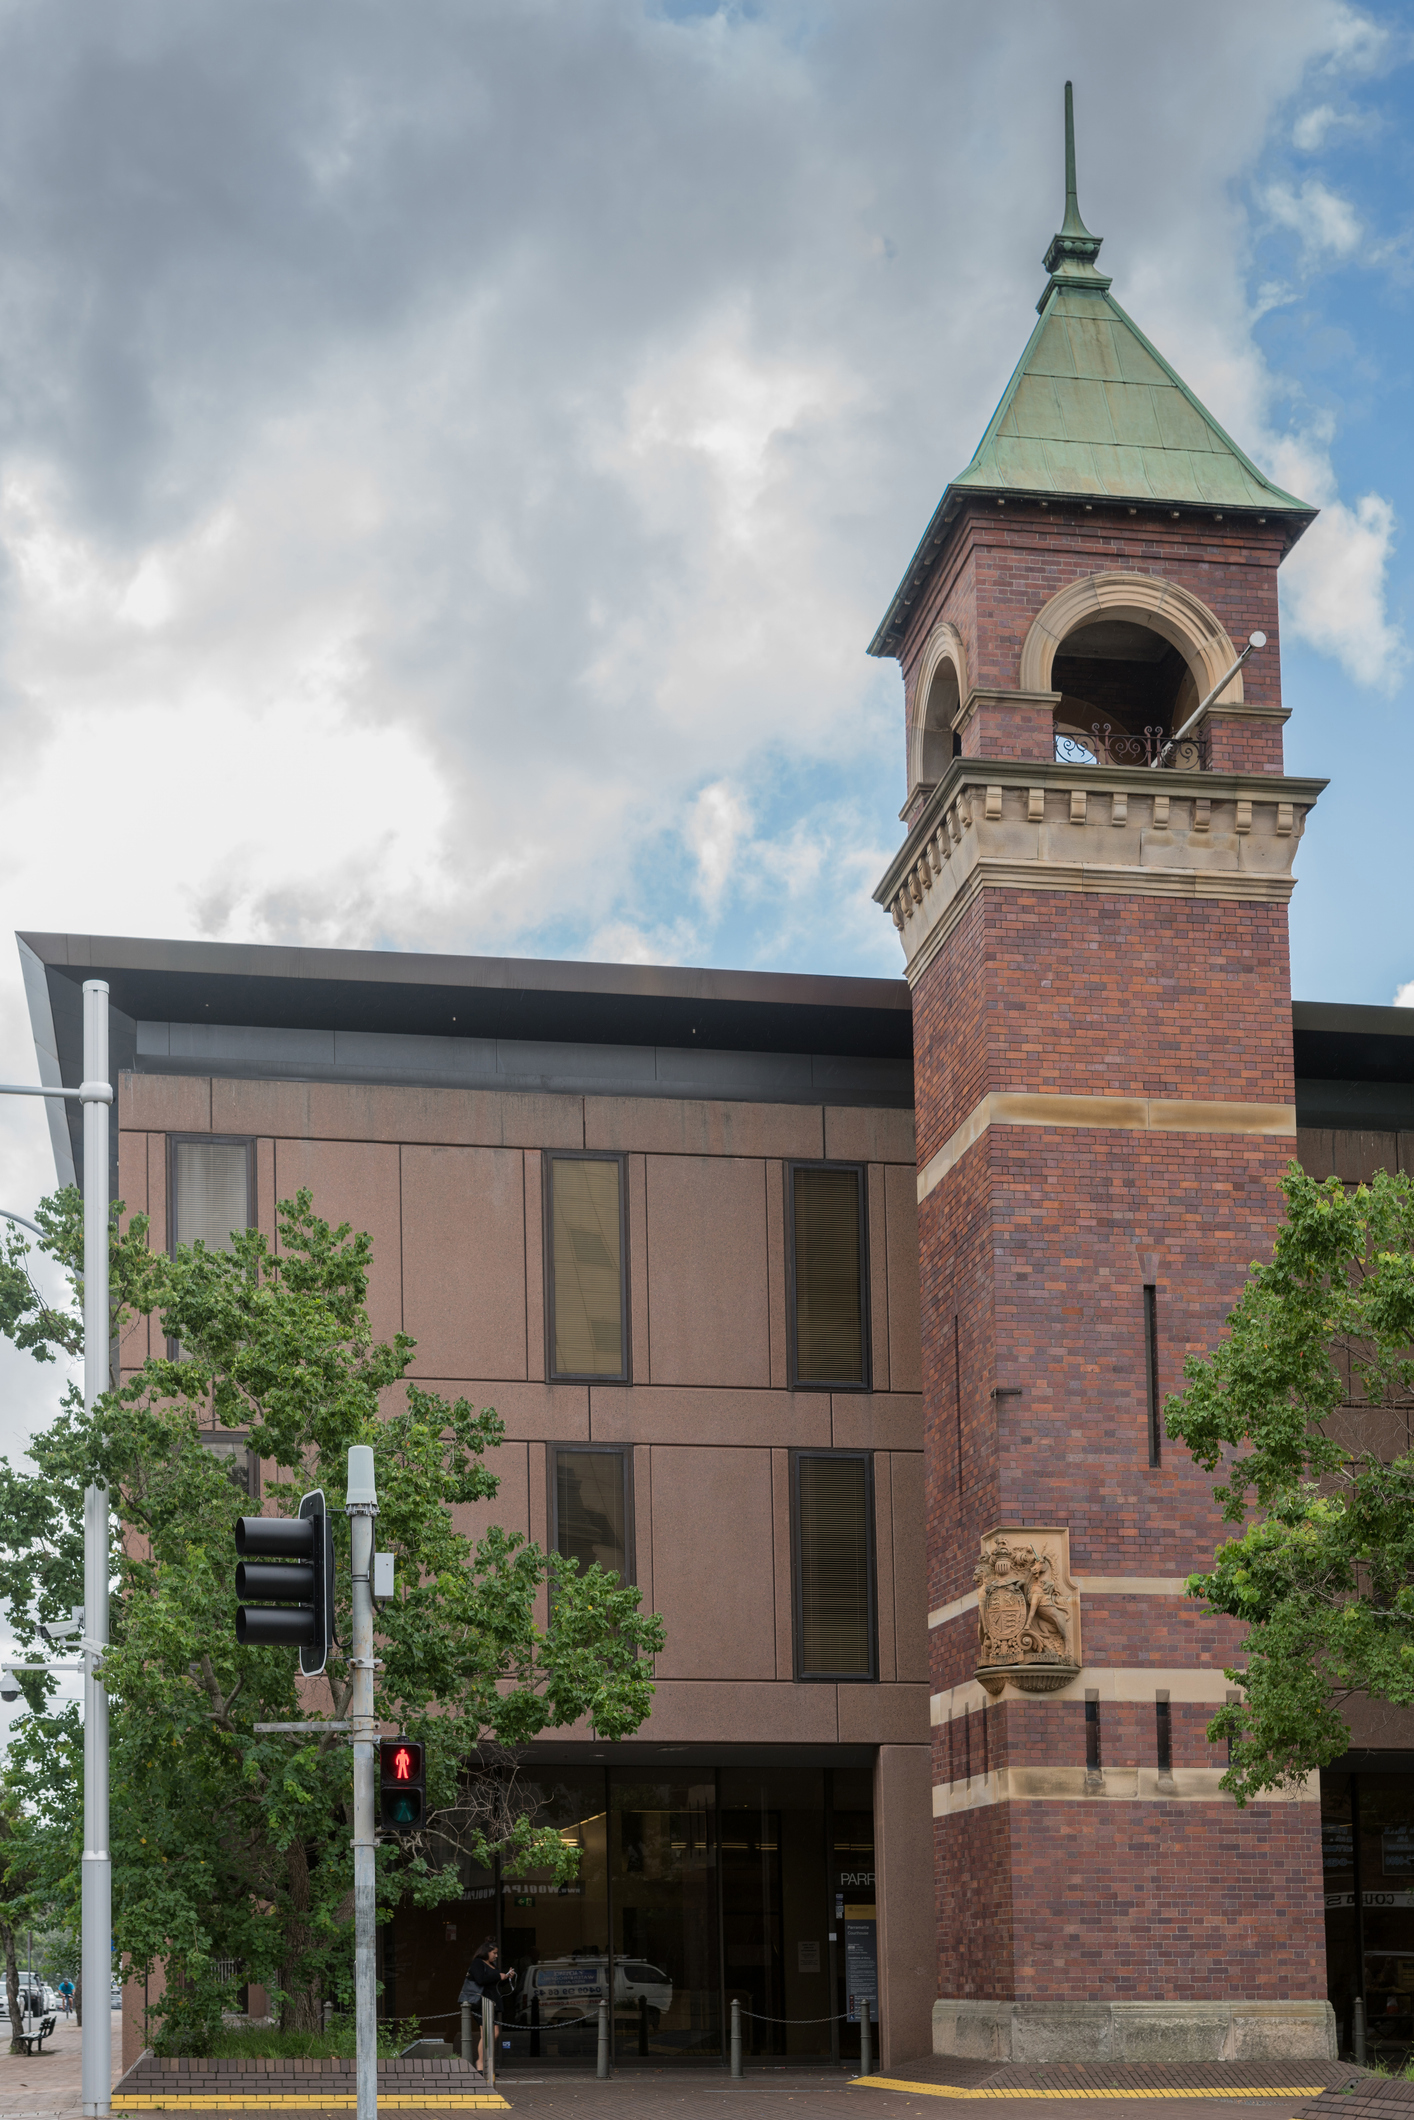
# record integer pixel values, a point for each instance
(590, 1498)
(210, 1195)
(1094, 1762)
(834, 1565)
(829, 1309)
(211, 1191)
(1163, 1734)
(1151, 1369)
(585, 1248)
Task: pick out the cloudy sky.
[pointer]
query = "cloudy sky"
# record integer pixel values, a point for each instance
(453, 453)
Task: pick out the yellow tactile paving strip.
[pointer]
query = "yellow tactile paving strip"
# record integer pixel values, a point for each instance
(949, 2090)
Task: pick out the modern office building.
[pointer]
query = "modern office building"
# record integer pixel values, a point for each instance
(838, 1314)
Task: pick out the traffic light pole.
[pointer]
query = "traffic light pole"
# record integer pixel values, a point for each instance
(362, 1507)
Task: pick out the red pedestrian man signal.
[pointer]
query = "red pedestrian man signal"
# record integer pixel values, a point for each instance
(402, 1784)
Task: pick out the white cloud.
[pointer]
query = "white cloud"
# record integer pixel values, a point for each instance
(1311, 127)
(1334, 584)
(718, 821)
(1404, 995)
(1327, 224)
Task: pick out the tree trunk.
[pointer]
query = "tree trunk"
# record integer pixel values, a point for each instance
(12, 1992)
(299, 2012)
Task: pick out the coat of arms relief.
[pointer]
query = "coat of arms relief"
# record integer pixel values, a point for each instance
(1028, 1611)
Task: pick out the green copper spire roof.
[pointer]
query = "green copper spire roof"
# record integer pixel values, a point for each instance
(1094, 412)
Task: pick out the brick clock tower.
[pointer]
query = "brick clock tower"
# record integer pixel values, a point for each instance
(1094, 918)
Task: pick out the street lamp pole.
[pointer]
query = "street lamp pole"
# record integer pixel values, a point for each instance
(95, 1093)
(97, 1890)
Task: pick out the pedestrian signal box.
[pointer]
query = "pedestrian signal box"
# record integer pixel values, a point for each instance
(402, 1784)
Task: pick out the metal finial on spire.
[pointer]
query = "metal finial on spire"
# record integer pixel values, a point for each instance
(1072, 224)
(1071, 257)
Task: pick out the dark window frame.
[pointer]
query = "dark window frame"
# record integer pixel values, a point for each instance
(549, 1158)
(174, 1141)
(624, 1453)
(796, 1381)
(803, 1677)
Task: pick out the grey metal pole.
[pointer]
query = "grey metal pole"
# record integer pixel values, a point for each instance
(361, 1504)
(866, 2041)
(488, 2041)
(601, 2059)
(736, 2035)
(468, 2036)
(96, 1888)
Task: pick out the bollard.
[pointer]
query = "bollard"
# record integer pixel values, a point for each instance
(736, 2035)
(601, 2066)
(1357, 2030)
(643, 2027)
(488, 2041)
(535, 2027)
(468, 2041)
(866, 2043)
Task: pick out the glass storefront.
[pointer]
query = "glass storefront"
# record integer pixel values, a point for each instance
(1367, 1851)
(697, 1886)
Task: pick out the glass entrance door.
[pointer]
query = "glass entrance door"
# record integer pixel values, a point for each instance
(663, 1872)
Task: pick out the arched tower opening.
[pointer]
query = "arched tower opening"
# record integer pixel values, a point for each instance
(1125, 689)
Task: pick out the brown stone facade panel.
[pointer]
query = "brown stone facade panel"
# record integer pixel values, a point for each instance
(857, 1135)
(708, 1288)
(910, 1570)
(662, 1413)
(132, 1191)
(669, 1126)
(464, 1260)
(355, 1182)
(717, 1594)
(901, 1215)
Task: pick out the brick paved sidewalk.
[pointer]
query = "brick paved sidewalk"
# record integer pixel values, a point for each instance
(930, 2087)
(51, 2082)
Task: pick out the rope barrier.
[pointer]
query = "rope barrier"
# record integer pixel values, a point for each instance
(842, 2018)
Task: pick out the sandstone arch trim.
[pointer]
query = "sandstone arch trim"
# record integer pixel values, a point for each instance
(945, 645)
(1146, 600)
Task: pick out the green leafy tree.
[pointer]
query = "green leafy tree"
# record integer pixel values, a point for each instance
(1322, 1574)
(229, 1847)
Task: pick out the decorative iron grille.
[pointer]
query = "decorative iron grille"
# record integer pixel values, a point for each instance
(1104, 745)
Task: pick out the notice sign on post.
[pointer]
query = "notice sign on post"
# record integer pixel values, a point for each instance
(861, 1962)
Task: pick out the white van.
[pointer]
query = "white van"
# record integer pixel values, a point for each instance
(567, 1988)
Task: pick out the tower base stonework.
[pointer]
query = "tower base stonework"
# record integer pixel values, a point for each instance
(1135, 2032)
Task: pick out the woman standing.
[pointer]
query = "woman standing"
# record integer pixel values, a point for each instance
(484, 1977)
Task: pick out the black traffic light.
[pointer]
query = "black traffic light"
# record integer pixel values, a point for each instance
(402, 1784)
(287, 1566)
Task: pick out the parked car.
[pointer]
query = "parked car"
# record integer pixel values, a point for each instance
(566, 1988)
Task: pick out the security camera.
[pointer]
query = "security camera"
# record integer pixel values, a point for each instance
(58, 1630)
(9, 1685)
